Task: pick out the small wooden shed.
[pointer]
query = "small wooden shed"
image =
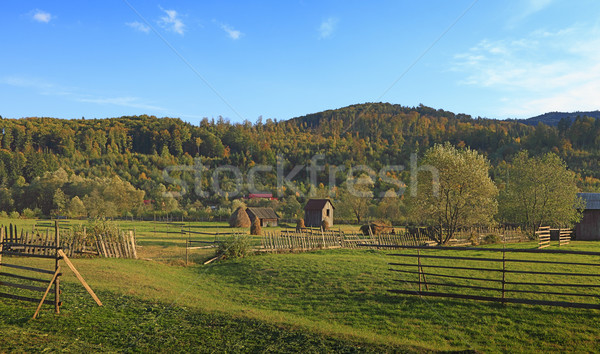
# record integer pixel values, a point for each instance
(267, 216)
(317, 210)
(588, 229)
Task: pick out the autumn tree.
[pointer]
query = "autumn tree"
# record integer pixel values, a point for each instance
(539, 191)
(355, 197)
(457, 192)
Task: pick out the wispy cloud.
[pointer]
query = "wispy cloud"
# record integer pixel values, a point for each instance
(327, 27)
(73, 94)
(526, 8)
(231, 32)
(132, 102)
(541, 72)
(172, 22)
(139, 26)
(41, 16)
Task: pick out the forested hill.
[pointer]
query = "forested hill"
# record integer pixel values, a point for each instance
(554, 118)
(132, 152)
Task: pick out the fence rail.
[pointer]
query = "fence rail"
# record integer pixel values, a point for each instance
(472, 276)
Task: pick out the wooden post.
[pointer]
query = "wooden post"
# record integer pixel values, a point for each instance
(57, 268)
(503, 272)
(1, 244)
(54, 278)
(132, 240)
(419, 267)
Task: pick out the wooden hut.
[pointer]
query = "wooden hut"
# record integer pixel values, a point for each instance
(317, 210)
(588, 228)
(266, 216)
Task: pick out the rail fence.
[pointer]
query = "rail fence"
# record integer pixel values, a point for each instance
(310, 239)
(116, 245)
(21, 278)
(519, 276)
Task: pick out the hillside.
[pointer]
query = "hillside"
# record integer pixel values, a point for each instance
(98, 161)
(553, 118)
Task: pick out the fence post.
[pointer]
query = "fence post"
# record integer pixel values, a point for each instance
(1, 244)
(419, 268)
(503, 272)
(56, 266)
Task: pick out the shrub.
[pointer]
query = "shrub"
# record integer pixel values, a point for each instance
(492, 238)
(14, 215)
(28, 213)
(235, 246)
(3, 214)
(474, 239)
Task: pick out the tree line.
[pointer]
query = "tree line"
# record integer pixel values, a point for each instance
(49, 166)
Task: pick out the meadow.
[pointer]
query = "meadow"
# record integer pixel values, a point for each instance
(321, 301)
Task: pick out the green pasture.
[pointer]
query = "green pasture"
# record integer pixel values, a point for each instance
(322, 301)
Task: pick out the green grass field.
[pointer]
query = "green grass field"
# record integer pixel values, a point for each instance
(322, 301)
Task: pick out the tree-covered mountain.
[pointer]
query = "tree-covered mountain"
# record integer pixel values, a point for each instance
(554, 118)
(91, 158)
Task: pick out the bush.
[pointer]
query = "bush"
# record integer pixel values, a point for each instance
(28, 213)
(14, 215)
(3, 214)
(474, 239)
(492, 238)
(236, 246)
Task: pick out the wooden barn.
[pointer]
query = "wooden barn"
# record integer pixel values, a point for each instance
(588, 228)
(317, 210)
(267, 216)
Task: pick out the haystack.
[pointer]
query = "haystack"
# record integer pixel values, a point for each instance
(255, 229)
(239, 218)
(377, 227)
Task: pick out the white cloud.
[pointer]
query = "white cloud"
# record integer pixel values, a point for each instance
(231, 32)
(133, 102)
(327, 27)
(172, 22)
(526, 8)
(41, 16)
(542, 72)
(138, 26)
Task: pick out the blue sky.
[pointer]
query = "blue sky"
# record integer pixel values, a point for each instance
(282, 59)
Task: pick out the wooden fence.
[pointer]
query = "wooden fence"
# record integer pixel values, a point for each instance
(469, 275)
(119, 245)
(18, 247)
(310, 239)
(544, 234)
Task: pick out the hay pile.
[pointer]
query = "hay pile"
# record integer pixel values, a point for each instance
(239, 218)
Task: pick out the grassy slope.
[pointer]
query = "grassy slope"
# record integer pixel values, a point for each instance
(334, 299)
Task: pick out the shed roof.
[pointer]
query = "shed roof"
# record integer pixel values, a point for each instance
(592, 200)
(263, 213)
(317, 204)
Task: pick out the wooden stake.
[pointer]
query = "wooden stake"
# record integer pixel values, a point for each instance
(54, 278)
(81, 280)
(132, 240)
(1, 244)
(56, 268)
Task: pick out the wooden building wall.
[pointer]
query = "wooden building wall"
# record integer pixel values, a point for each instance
(589, 227)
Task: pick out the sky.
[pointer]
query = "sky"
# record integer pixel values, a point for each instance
(281, 59)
